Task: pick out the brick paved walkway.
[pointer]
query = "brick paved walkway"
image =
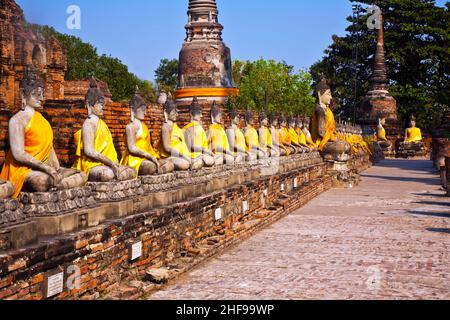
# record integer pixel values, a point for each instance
(389, 238)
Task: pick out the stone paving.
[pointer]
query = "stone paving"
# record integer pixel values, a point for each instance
(388, 238)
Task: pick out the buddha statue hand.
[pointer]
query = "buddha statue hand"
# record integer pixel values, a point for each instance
(54, 174)
(6, 189)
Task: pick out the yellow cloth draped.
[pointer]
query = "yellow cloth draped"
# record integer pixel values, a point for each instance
(252, 139)
(178, 143)
(103, 144)
(144, 143)
(383, 135)
(239, 140)
(266, 139)
(285, 136)
(38, 142)
(218, 138)
(330, 127)
(200, 139)
(294, 136)
(413, 135)
(301, 136)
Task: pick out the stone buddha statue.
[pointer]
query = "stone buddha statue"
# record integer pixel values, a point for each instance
(218, 139)
(276, 137)
(324, 127)
(299, 130)
(96, 155)
(381, 138)
(413, 134)
(305, 128)
(173, 144)
(285, 137)
(252, 138)
(265, 137)
(195, 135)
(295, 138)
(139, 153)
(236, 138)
(32, 165)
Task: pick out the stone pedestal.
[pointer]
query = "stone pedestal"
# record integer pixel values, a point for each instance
(11, 212)
(342, 174)
(411, 150)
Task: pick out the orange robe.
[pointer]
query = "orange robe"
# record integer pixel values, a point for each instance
(218, 138)
(252, 139)
(38, 142)
(330, 128)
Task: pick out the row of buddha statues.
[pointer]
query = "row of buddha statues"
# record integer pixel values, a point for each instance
(32, 165)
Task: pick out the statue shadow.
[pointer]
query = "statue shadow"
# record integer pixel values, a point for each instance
(413, 165)
(439, 230)
(430, 214)
(429, 181)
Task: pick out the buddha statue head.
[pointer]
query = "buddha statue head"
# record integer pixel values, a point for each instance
(299, 122)
(94, 100)
(32, 89)
(138, 107)
(273, 120)
(306, 122)
(249, 118)
(170, 111)
(195, 110)
(162, 98)
(323, 92)
(263, 119)
(283, 121)
(292, 122)
(216, 113)
(381, 121)
(412, 122)
(235, 117)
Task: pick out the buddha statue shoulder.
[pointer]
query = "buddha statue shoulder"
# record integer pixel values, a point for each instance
(96, 155)
(173, 144)
(252, 138)
(236, 138)
(323, 129)
(265, 137)
(218, 139)
(195, 135)
(413, 134)
(32, 165)
(139, 153)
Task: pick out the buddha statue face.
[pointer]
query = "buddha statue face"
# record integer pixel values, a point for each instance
(292, 123)
(283, 123)
(299, 123)
(325, 97)
(264, 121)
(95, 101)
(413, 123)
(139, 112)
(34, 99)
(97, 108)
(275, 122)
(173, 115)
(32, 89)
(217, 117)
(236, 120)
(381, 121)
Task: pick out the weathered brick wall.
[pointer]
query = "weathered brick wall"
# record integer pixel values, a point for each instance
(167, 234)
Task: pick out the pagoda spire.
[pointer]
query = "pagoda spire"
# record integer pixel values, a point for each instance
(379, 81)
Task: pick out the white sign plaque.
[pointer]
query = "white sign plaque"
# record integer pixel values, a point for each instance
(218, 214)
(266, 193)
(295, 183)
(282, 187)
(245, 206)
(136, 250)
(55, 284)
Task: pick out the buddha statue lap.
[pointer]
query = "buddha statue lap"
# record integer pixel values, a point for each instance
(324, 127)
(252, 138)
(140, 154)
(196, 138)
(32, 165)
(96, 155)
(265, 137)
(413, 145)
(218, 139)
(236, 139)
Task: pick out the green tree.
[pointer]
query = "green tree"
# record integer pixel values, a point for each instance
(417, 57)
(167, 75)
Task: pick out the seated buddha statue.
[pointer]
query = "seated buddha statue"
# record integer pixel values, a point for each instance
(296, 140)
(276, 137)
(265, 137)
(218, 139)
(305, 128)
(195, 135)
(299, 130)
(323, 129)
(380, 136)
(252, 138)
(96, 155)
(139, 153)
(173, 144)
(32, 165)
(413, 134)
(236, 139)
(285, 137)
(6, 189)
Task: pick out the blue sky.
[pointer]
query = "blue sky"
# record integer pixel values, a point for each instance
(141, 32)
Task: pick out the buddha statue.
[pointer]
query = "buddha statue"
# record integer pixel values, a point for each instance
(139, 153)
(324, 127)
(299, 130)
(413, 134)
(6, 189)
(96, 155)
(218, 139)
(296, 139)
(285, 137)
(173, 144)
(305, 128)
(265, 137)
(195, 135)
(236, 139)
(32, 165)
(276, 137)
(381, 138)
(252, 138)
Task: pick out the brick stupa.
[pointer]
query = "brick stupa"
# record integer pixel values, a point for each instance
(205, 68)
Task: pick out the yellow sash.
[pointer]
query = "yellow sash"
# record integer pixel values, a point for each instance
(266, 139)
(301, 136)
(218, 138)
(330, 127)
(413, 135)
(103, 144)
(294, 136)
(144, 143)
(38, 142)
(239, 140)
(383, 135)
(178, 143)
(251, 139)
(200, 138)
(285, 136)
